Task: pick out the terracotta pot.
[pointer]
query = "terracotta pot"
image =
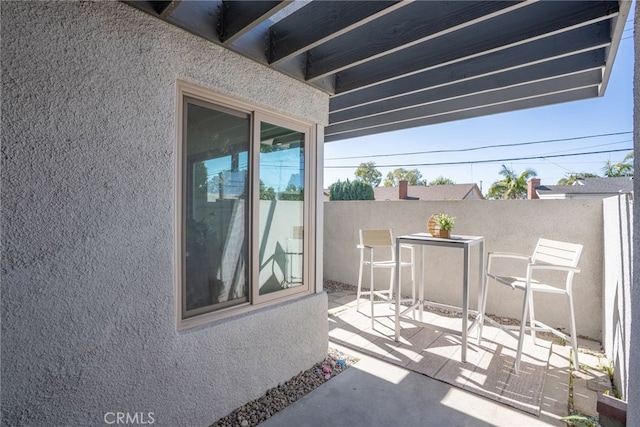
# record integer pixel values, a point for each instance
(444, 234)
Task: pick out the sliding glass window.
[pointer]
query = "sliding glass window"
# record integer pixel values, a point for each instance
(243, 208)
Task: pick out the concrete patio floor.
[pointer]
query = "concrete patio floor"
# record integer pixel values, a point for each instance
(374, 392)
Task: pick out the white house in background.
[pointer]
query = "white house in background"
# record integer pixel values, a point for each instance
(428, 192)
(586, 188)
(142, 265)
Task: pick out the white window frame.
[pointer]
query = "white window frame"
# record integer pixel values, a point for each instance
(257, 115)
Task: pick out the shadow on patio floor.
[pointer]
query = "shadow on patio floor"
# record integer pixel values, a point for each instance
(431, 350)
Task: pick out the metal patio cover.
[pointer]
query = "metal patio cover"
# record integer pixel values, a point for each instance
(391, 65)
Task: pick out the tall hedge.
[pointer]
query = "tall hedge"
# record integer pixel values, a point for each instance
(356, 190)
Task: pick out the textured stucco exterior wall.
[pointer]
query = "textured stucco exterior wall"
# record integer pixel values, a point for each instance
(88, 202)
(618, 234)
(633, 398)
(508, 226)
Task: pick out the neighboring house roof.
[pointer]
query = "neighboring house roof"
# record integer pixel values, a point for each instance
(431, 192)
(390, 65)
(587, 187)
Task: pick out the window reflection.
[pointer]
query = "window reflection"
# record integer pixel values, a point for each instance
(281, 208)
(215, 209)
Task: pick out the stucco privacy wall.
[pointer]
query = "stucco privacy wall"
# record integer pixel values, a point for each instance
(618, 234)
(88, 299)
(633, 414)
(507, 225)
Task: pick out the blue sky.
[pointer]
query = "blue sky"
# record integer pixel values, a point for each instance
(611, 113)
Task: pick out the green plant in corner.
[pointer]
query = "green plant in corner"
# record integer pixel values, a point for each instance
(609, 370)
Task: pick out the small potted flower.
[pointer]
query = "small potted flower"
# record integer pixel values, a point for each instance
(445, 225)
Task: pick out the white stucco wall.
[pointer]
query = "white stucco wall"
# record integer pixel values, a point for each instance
(633, 398)
(88, 202)
(507, 225)
(616, 317)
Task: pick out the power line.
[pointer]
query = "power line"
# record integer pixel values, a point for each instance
(556, 164)
(460, 150)
(590, 146)
(484, 161)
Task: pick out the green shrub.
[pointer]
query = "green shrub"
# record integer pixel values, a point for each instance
(356, 190)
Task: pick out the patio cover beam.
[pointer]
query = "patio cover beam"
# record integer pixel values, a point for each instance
(239, 17)
(616, 35)
(197, 17)
(538, 101)
(165, 8)
(588, 38)
(544, 71)
(479, 100)
(320, 22)
(416, 23)
(538, 20)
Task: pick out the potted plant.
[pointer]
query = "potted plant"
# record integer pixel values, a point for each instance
(445, 224)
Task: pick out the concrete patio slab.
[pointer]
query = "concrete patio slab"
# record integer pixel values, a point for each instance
(380, 390)
(376, 393)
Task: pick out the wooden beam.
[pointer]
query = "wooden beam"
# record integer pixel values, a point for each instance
(197, 17)
(593, 37)
(239, 17)
(294, 67)
(536, 21)
(592, 60)
(543, 100)
(618, 25)
(502, 95)
(321, 21)
(165, 8)
(145, 6)
(415, 23)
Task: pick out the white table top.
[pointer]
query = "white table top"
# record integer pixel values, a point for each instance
(426, 237)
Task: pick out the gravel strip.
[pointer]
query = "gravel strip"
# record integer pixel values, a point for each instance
(333, 286)
(278, 398)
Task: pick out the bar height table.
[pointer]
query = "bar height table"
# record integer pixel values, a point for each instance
(461, 242)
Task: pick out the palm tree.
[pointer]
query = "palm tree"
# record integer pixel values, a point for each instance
(609, 169)
(511, 186)
(571, 178)
(614, 170)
